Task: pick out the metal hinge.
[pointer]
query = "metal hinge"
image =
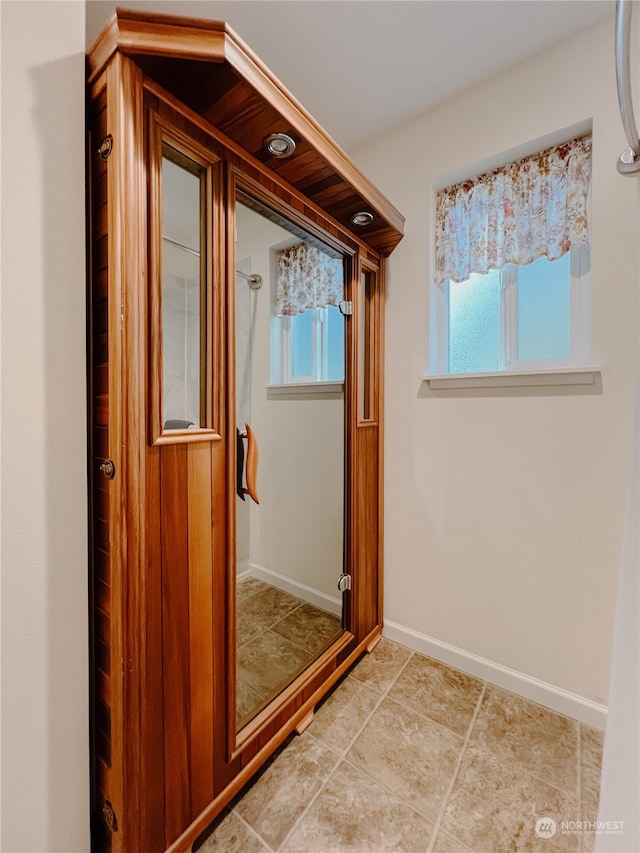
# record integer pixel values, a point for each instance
(109, 816)
(346, 308)
(106, 146)
(344, 582)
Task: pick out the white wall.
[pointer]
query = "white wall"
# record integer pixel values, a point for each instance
(45, 763)
(504, 507)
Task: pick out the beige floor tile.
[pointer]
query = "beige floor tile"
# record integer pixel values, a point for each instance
(591, 743)
(259, 611)
(247, 628)
(495, 804)
(543, 742)
(353, 814)
(589, 813)
(269, 662)
(341, 717)
(247, 703)
(408, 754)
(309, 627)
(379, 669)
(439, 692)
(275, 802)
(231, 836)
(248, 587)
(448, 844)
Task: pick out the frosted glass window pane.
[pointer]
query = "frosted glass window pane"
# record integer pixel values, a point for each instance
(335, 345)
(302, 344)
(543, 309)
(474, 324)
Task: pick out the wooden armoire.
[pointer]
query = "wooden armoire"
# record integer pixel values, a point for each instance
(186, 102)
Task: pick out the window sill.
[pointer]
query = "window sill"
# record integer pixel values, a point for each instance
(308, 388)
(515, 378)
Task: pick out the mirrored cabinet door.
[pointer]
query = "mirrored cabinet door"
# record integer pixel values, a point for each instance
(290, 371)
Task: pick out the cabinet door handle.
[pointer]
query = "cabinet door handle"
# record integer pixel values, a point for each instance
(252, 464)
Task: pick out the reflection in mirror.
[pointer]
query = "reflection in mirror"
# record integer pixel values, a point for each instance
(289, 547)
(183, 291)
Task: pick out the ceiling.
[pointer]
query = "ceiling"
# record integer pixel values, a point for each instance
(361, 67)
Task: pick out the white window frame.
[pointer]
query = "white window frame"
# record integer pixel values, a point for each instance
(282, 363)
(580, 323)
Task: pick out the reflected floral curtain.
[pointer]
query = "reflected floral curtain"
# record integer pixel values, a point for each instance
(307, 278)
(533, 208)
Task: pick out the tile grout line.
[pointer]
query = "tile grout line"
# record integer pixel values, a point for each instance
(269, 628)
(342, 754)
(382, 696)
(305, 811)
(364, 772)
(253, 831)
(456, 770)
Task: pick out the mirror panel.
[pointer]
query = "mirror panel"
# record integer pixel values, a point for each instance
(290, 392)
(183, 292)
(366, 346)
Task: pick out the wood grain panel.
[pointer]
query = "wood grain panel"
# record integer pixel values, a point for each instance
(99, 189)
(171, 110)
(99, 589)
(100, 254)
(100, 380)
(175, 635)
(366, 570)
(153, 737)
(125, 258)
(246, 110)
(201, 620)
(100, 284)
(100, 317)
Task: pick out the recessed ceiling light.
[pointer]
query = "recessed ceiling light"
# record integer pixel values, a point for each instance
(280, 145)
(362, 217)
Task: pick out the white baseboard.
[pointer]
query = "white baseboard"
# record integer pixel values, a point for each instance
(570, 704)
(300, 590)
(242, 569)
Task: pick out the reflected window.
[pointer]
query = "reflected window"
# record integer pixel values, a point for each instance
(308, 344)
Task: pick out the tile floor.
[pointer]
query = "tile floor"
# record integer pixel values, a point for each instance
(409, 755)
(277, 636)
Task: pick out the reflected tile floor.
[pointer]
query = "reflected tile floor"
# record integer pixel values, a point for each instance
(278, 635)
(409, 755)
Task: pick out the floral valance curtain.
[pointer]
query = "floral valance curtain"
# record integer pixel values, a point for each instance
(533, 208)
(307, 278)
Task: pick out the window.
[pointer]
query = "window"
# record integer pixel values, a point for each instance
(307, 329)
(312, 347)
(519, 318)
(511, 290)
